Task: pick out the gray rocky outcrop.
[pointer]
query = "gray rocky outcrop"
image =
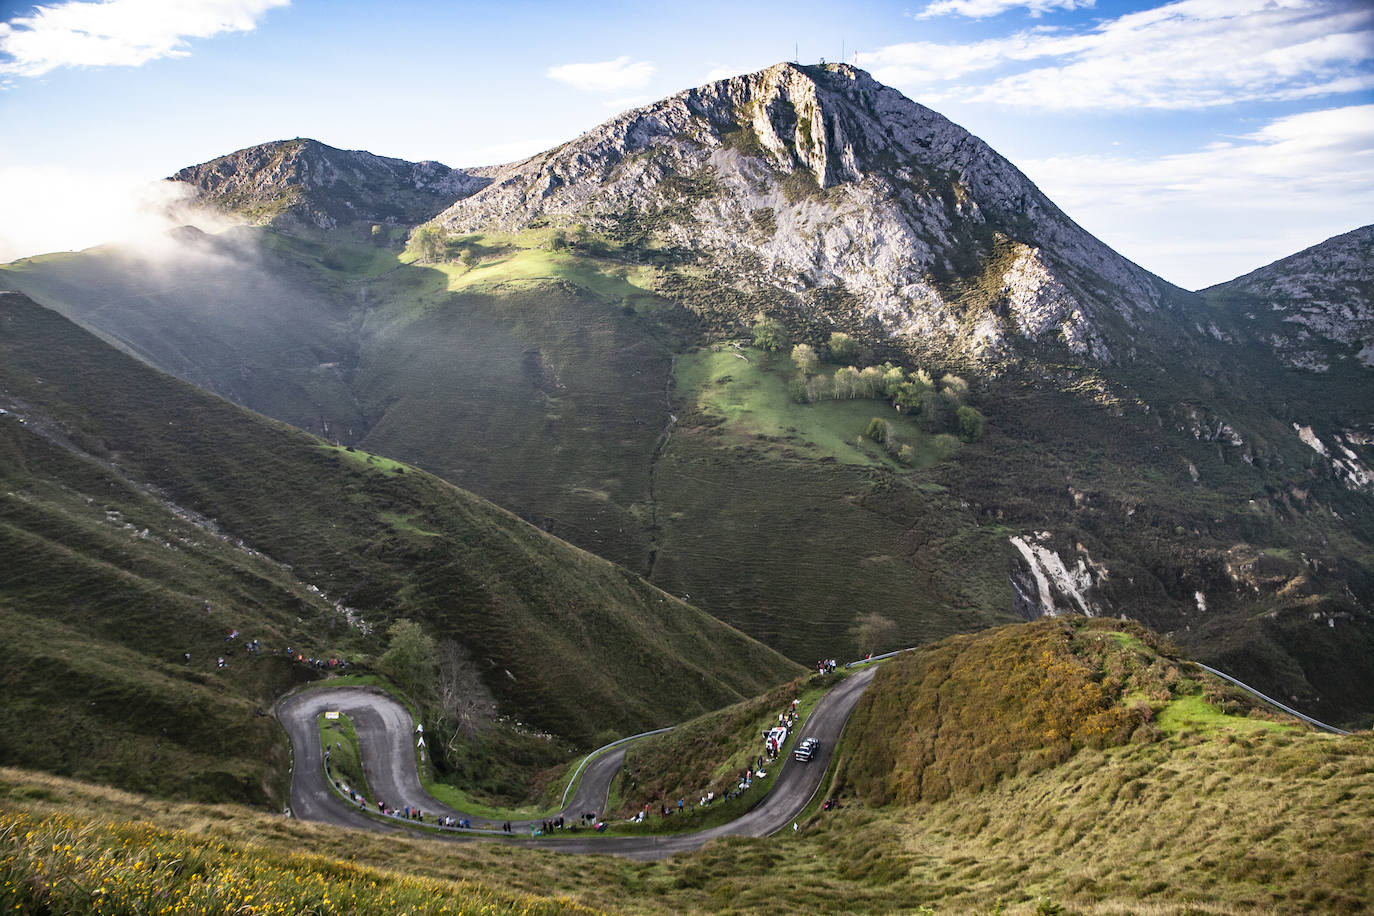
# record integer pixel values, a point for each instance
(308, 182)
(804, 177)
(1312, 307)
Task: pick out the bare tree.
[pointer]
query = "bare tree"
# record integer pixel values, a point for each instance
(872, 631)
(465, 703)
(816, 387)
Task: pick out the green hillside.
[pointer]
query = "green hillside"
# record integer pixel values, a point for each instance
(609, 394)
(132, 499)
(545, 379)
(1067, 766)
(970, 711)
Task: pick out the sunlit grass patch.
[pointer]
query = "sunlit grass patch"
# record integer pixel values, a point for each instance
(366, 459)
(748, 390)
(1194, 713)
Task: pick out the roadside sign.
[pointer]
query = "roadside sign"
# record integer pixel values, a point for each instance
(332, 714)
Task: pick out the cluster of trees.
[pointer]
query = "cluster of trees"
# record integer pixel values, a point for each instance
(940, 406)
(885, 434)
(434, 245)
(578, 237)
(431, 242)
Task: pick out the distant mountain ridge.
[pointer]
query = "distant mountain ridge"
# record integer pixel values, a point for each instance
(1322, 299)
(326, 187)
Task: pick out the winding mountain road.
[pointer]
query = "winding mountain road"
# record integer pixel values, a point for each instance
(386, 741)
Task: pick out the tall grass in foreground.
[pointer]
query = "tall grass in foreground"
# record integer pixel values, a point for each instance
(65, 864)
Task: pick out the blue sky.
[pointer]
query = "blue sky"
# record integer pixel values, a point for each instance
(1201, 138)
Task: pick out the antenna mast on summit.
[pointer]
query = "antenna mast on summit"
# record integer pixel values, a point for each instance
(796, 54)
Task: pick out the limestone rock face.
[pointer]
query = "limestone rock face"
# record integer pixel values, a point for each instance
(805, 177)
(1044, 585)
(1314, 307)
(1040, 304)
(309, 182)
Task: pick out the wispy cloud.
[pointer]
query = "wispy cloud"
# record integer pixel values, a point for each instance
(1251, 199)
(628, 101)
(722, 72)
(619, 75)
(37, 204)
(1184, 55)
(118, 33)
(984, 9)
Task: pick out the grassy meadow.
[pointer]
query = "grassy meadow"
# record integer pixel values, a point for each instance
(747, 390)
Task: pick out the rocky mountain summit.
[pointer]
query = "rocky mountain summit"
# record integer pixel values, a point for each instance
(818, 180)
(307, 182)
(1314, 308)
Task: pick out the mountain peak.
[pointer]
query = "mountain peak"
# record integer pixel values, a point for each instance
(800, 178)
(797, 112)
(308, 181)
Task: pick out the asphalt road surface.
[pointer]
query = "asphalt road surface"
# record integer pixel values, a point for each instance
(386, 740)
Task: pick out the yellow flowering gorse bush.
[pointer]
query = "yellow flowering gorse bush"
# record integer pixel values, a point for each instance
(62, 864)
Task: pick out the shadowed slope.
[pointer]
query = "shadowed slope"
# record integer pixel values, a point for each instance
(566, 641)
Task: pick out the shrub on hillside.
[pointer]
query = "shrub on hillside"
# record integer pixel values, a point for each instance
(769, 334)
(973, 709)
(970, 424)
(804, 355)
(842, 347)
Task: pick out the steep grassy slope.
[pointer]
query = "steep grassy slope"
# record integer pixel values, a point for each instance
(105, 590)
(251, 316)
(92, 433)
(548, 379)
(1211, 810)
(970, 711)
(531, 379)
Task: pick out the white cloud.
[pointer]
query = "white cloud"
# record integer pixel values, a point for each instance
(721, 72)
(626, 102)
(55, 208)
(1248, 200)
(605, 76)
(120, 33)
(920, 63)
(1181, 55)
(984, 9)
